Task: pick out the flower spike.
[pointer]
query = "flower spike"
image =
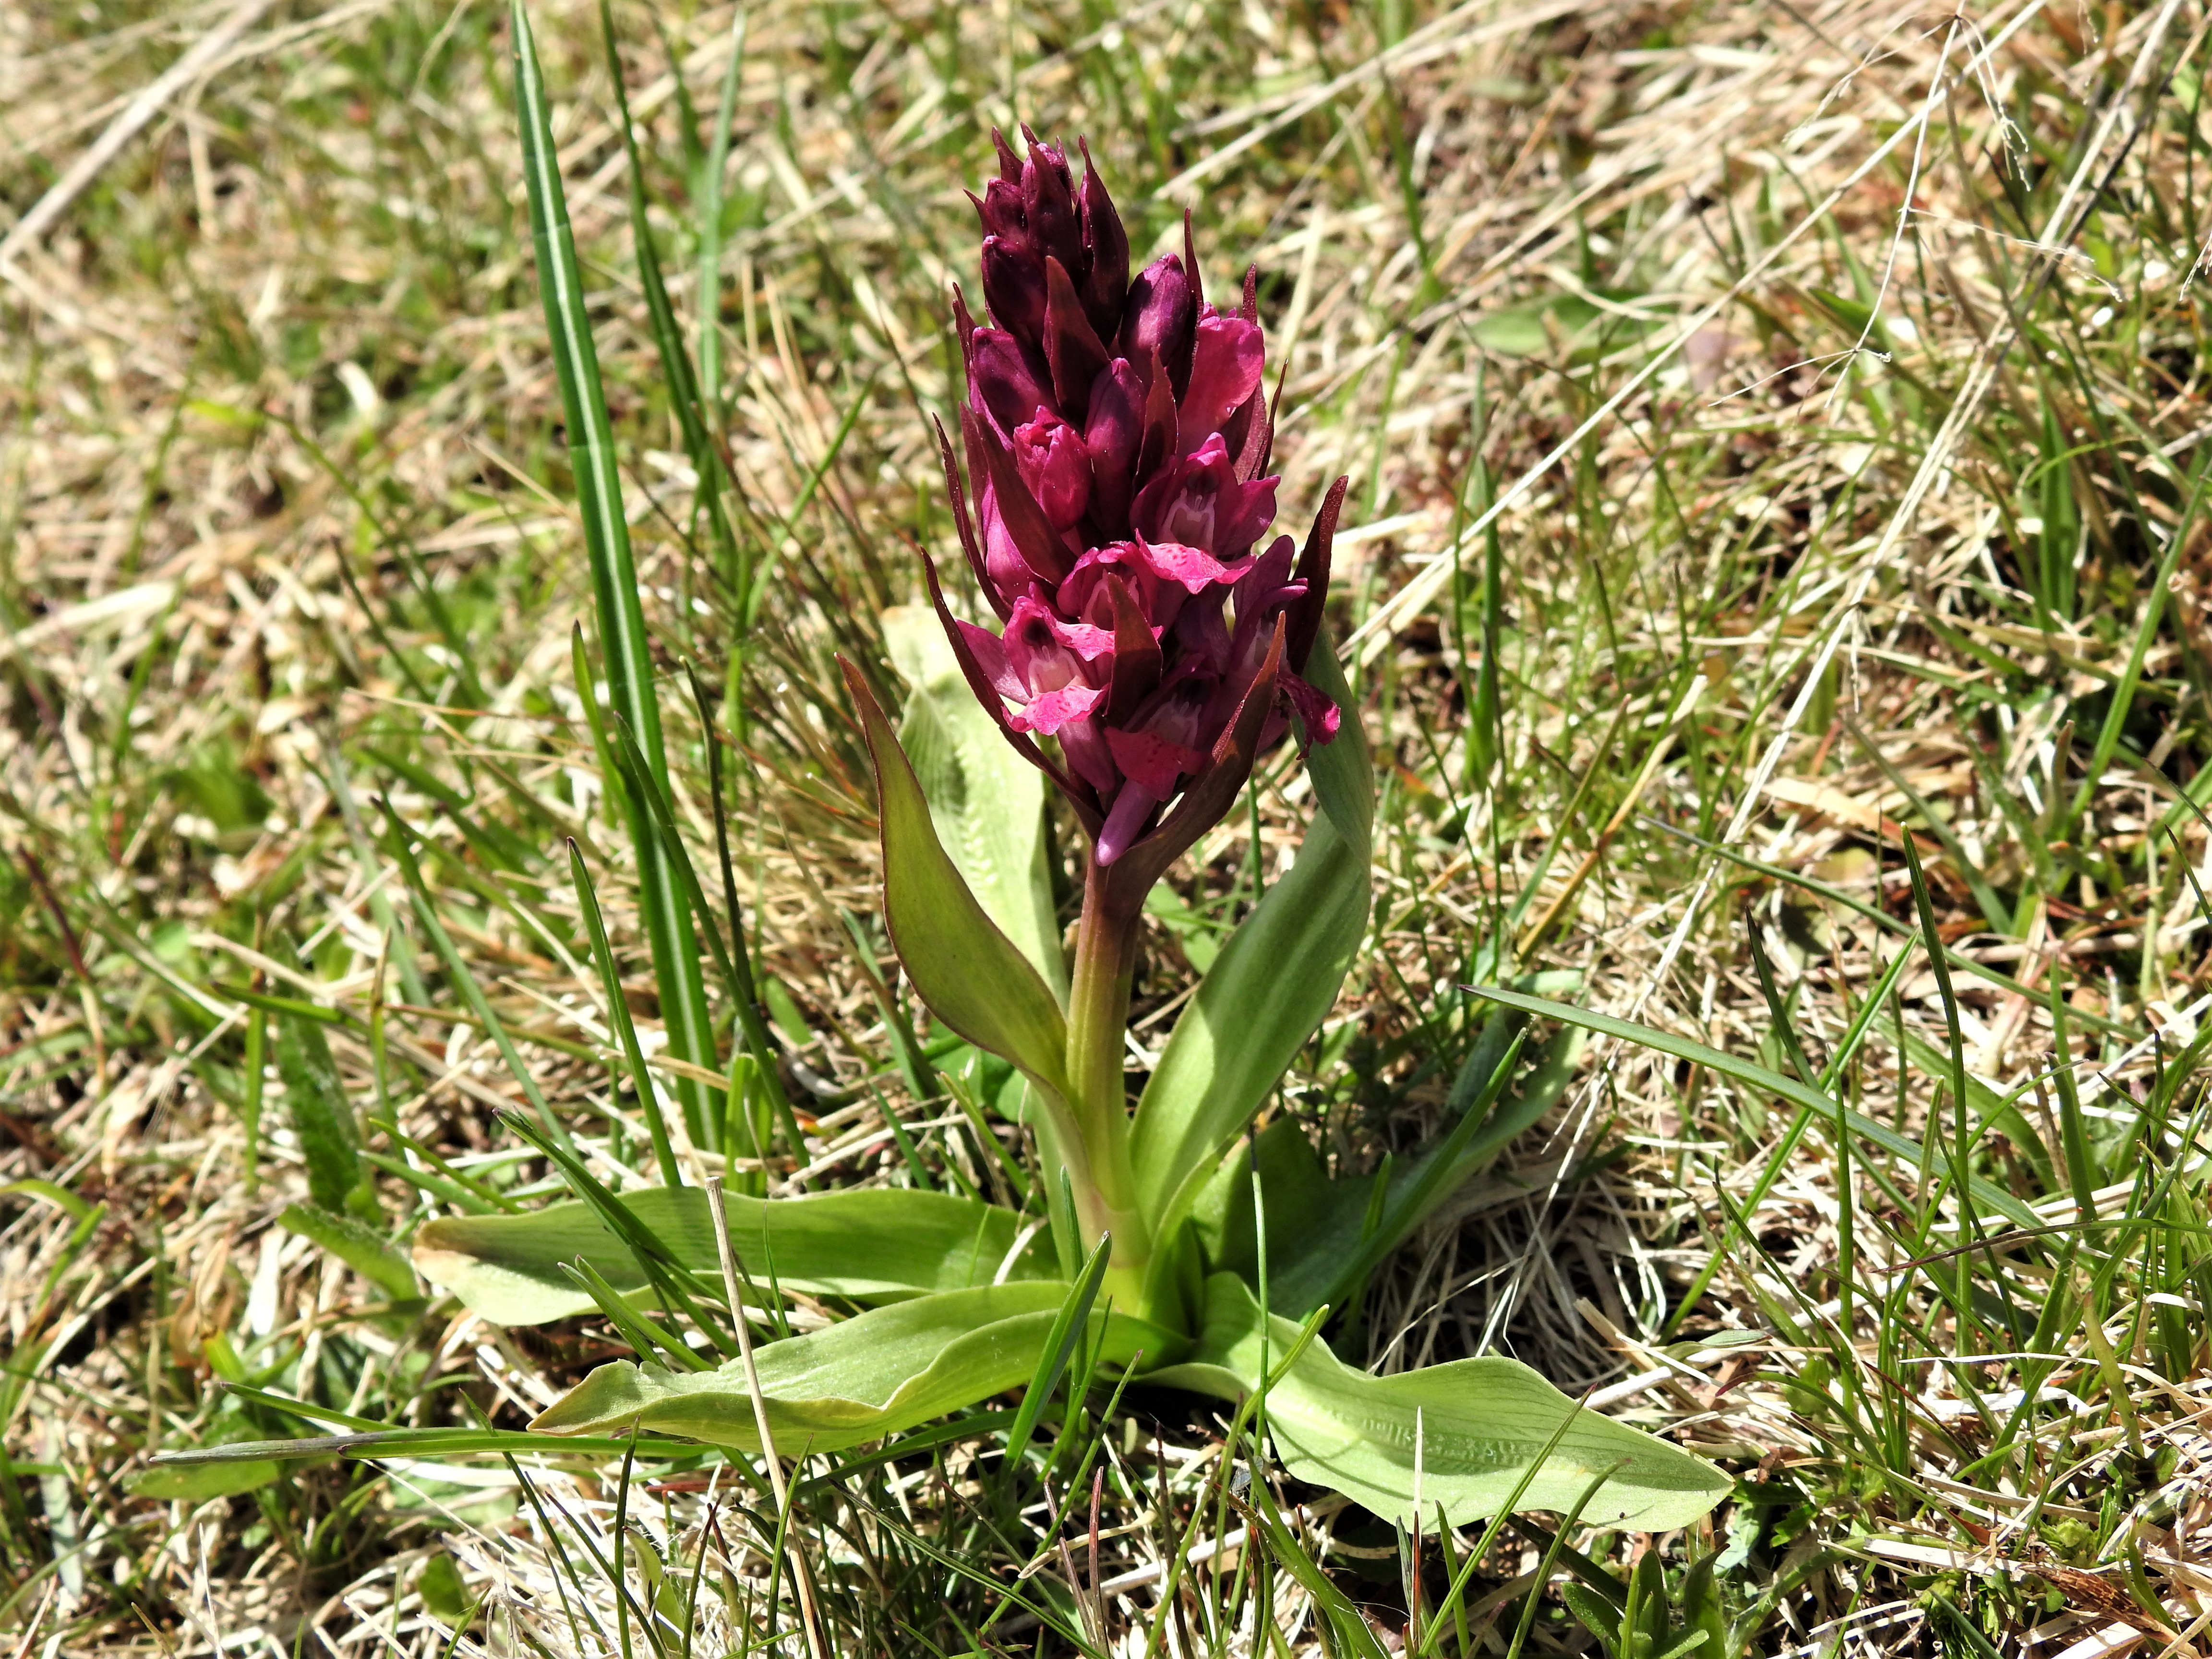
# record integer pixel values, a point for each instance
(1117, 431)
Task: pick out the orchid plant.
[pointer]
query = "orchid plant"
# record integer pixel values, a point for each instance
(1111, 491)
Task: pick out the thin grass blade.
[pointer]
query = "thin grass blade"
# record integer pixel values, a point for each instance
(614, 573)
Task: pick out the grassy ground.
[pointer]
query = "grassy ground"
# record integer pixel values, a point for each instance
(1775, 437)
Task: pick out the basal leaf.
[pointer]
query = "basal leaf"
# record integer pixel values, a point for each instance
(1273, 983)
(987, 802)
(971, 974)
(885, 1370)
(1480, 1424)
(871, 1245)
(360, 1246)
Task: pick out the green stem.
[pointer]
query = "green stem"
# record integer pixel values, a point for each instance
(1098, 1017)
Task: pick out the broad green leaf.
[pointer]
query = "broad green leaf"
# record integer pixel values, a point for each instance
(1273, 984)
(195, 1483)
(885, 1370)
(1482, 1423)
(322, 1117)
(973, 977)
(1314, 1221)
(987, 802)
(1825, 1108)
(871, 1245)
(360, 1246)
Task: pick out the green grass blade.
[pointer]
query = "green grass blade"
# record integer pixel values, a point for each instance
(735, 967)
(426, 912)
(383, 1442)
(2073, 1132)
(1870, 1006)
(655, 1259)
(1881, 918)
(668, 339)
(760, 1042)
(587, 899)
(782, 534)
(2116, 712)
(1931, 936)
(1752, 1075)
(1785, 1029)
(1060, 1342)
(1994, 909)
(710, 224)
(1441, 1167)
(645, 1336)
(614, 573)
(437, 1186)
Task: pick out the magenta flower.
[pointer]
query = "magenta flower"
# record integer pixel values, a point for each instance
(1116, 431)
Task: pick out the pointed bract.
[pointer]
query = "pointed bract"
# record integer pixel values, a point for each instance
(1105, 279)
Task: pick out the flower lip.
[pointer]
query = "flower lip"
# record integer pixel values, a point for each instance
(1196, 500)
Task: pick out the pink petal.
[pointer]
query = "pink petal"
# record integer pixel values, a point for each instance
(1056, 467)
(1048, 713)
(1193, 567)
(1046, 652)
(1087, 642)
(1317, 711)
(1085, 745)
(1225, 366)
(1197, 501)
